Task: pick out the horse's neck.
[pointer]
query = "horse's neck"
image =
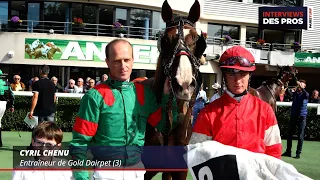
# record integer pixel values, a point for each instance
(149, 82)
(272, 88)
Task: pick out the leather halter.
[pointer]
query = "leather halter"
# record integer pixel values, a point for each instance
(279, 83)
(181, 48)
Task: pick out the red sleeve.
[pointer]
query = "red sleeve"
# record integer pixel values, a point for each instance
(202, 129)
(272, 138)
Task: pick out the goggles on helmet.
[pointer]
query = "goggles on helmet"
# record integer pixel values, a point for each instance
(231, 61)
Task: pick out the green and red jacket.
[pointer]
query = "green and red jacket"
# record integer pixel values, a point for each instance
(115, 114)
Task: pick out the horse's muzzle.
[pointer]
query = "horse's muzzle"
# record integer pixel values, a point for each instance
(184, 91)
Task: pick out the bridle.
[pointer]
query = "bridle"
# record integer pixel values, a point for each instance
(279, 81)
(288, 73)
(181, 48)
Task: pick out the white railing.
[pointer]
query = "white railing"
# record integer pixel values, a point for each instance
(310, 105)
(75, 95)
(250, 44)
(287, 104)
(29, 93)
(32, 26)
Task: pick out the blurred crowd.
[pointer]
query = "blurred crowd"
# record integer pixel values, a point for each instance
(79, 86)
(286, 95)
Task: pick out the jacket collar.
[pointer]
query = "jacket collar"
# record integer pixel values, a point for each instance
(231, 97)
(119, 84)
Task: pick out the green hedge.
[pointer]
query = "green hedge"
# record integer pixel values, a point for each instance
(312, 130)
(68, 107)
(66, 110)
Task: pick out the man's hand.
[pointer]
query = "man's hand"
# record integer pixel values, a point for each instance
(30, 116)
(11, 110)
(166, 87)
(301, 84)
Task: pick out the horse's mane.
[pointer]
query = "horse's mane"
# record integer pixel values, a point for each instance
(270, 81)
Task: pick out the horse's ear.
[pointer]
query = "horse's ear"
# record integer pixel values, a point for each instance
(166, 12)
(194, 13)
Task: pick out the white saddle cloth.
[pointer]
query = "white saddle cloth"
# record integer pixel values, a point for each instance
(213, 159)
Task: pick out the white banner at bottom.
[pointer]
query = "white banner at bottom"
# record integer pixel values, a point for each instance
(212, 160)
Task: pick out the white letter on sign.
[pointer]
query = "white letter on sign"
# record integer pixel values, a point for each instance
(92, 49)
(77, 51)
(283, 21)
(205, 172)
(141, 54)
(300, 21)
(265, 21)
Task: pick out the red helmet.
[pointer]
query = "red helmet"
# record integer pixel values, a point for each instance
(237, 58)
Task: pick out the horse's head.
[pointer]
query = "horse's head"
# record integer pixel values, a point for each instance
(287, 73)
(27, 47)
(181, 48)
(57, 49)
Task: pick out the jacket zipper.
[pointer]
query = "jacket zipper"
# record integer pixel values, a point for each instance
(125, 125)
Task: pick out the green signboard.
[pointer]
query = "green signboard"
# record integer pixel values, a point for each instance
(307, 59)
(74, 50)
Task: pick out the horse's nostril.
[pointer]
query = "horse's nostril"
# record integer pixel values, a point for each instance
(193, 83)
(175, 84)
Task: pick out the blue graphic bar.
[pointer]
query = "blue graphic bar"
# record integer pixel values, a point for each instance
(167, 158)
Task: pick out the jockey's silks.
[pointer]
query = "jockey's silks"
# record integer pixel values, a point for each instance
(249, 124)
(112, 120)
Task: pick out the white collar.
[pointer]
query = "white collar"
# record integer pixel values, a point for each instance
(232, 95)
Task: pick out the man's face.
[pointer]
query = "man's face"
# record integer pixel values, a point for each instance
(43, 144)
(120, 61)
(55, 81)
(17, 79)
(237, 83)
(91, 83)
(104, 78)
(315, 94)
(71, 84)
(40, 141)
(80, 82)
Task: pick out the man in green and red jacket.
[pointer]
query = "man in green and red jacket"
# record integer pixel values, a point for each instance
(113, 115)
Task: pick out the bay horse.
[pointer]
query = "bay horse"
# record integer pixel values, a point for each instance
(181, 50)
(270, 89)
(30, 51)
(52, 51)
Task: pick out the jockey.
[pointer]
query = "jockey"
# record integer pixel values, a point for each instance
(113, 115)
(237, 118)
(35, 44)
(6, 99)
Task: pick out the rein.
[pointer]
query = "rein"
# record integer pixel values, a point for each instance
(187, 120)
